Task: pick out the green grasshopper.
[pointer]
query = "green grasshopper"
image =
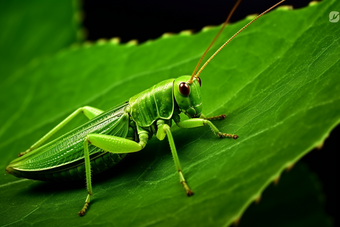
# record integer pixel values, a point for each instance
(110, 135)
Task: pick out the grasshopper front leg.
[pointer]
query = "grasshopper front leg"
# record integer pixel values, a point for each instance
(219, 117)
(198, 122)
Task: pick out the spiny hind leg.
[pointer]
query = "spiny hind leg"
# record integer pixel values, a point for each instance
(197, 122)
(113, 144)
(88, 111)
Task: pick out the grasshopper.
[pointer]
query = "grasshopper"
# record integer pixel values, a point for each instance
(110, 135)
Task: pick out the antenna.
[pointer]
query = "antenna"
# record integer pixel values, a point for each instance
(219, 49)
(215, 38)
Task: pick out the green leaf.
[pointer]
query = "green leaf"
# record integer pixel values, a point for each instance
(277, 82)
(31, 29)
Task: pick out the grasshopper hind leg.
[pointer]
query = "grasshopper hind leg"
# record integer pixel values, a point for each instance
(111, 144)
(88, 111)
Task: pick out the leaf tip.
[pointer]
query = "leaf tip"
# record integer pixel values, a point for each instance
(186, 32)
(313, 3)
(115, 40)
(285, 8)
(320, 145)
(251, 16)
(258, 199)
(167, 34)
(289, 167)
(207, 28)
(101, 41)
(132, 42)
(236, 221)
(276, 180)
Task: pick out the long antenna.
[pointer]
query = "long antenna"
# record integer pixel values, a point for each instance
(215, 38)
(219, 49)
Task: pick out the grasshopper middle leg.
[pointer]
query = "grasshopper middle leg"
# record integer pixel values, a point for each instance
(164, 130)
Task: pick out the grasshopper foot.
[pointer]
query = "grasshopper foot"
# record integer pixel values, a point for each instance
(23, 153)
(223, 135)
(82, 212)
(190, 193)
(187, 189)
(219, 117)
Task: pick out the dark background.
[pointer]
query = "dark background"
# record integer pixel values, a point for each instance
(144, 20)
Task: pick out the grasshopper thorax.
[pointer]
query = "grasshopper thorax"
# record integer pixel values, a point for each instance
(188, 96)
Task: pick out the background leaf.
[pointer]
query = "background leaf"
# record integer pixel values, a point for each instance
(280, 98)
(32, 29)
(297, 200)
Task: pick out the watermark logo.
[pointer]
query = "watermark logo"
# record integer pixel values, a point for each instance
(334, 16)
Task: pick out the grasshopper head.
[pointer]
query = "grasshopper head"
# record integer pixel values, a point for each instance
(188, 96)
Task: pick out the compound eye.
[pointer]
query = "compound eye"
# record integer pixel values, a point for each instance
(184, 89)
(199, 81)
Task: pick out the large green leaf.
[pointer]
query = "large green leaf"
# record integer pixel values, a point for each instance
(280, 90)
